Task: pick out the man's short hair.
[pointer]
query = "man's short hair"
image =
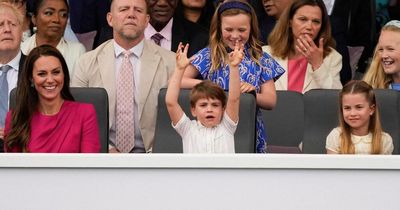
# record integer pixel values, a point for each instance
(4, 6)
(145, 1)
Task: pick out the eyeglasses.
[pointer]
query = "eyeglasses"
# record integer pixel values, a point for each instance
(16, 3)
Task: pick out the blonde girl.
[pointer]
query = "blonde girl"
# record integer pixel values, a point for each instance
(360, 130)
(384, 71)
(236, 22)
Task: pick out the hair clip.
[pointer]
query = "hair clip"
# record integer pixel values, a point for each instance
(395, 23)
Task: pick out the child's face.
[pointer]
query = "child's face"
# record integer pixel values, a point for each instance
(208, 111)
(389, 51)
(357, 112)
(235, 27)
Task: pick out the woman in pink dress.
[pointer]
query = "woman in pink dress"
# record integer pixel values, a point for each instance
(46, 118)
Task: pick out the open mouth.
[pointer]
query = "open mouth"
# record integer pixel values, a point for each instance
(210, 117)
(387, 63)
(50, 87)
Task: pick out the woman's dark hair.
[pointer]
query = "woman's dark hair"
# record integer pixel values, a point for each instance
(206, 13)
(27, 97)
(37, 4)
(281, 38)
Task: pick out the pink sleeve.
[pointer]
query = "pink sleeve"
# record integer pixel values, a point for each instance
(90, 142)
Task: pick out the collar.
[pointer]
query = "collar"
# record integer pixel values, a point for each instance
(136, 50)
(364, 139)
(14, 63)
(166, 32)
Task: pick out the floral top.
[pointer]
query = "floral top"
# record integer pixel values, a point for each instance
(250, 72)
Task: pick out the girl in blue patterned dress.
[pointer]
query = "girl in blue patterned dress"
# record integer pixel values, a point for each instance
(233, 21)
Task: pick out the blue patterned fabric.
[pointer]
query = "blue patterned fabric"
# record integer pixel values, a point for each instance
(250, 72)
(395, 86)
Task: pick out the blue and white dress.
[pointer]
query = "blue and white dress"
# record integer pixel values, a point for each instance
(250, 72)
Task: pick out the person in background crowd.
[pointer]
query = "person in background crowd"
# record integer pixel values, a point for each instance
(132, 70)
(166, 30)
(360, 130)
(50, 18)
(301, 42)
(235, 21)
(46, 119)
(87, 18)
(353, 28)
(384, 71)
(11, 58)
(27, 26)
(273, 9)
(196, 11)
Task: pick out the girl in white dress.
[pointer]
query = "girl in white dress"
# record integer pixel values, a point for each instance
(360, 130)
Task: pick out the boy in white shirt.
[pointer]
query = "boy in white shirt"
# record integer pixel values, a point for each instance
(217, 117)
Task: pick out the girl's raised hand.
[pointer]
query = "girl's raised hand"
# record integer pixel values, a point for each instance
(182, 61)
(236, 56)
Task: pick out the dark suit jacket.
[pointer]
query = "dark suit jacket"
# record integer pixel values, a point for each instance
(182, 31)
(352, 24)
(188, 32)
(21, 65)
(88, 15)
(21, 68)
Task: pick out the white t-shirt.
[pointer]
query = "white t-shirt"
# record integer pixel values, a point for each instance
(198, 139)
(362, 144)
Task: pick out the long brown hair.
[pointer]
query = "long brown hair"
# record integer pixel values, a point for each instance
(218, 48)
(27, 97)
(375, 75)
(346, 145)
(281, 38)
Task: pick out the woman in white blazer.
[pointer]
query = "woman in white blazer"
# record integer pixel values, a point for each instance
(301, 43)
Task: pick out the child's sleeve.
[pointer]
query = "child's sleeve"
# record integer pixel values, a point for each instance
(183, 125)
(333, 141)
(228, 123)
(202, 62)
(387, 144)
(270, 69)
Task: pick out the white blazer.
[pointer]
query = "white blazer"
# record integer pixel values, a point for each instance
(327, 76)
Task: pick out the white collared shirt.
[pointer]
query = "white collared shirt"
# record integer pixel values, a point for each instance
(199, 139)
(329, 5)
(12, 74)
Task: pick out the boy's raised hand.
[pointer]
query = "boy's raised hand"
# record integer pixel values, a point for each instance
(182, 61)
(236, 56)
